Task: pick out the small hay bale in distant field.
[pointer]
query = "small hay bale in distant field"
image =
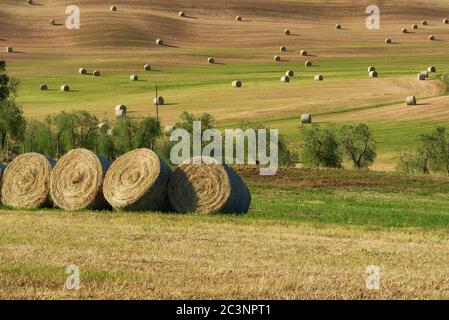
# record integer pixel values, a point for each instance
(65, 88)
(432, 69)
(432, 37)
(338, 26)
(277, 58)
(388, 41)
(290, 73)
(282, 49)
(285, 79)
(371, 68)
(134, 77)
(26, 182)
(210, 60)
(238, 18)
(404, 30)
(103, 127)
(82, 71)
(77, 181)
(287, 32)
(318, 77)
(96, 73)
(43, 87)
(415, 27)
(159, 100)
(169, 129)
(410, 101)
(422, 76)
(113, 8)
(138, 181)
(110, 132)
(306, 118)
(52, 22)
(9, 49)
(159, 42)
(120, 111)
(30, 1)
(446, 21)
(308, 63)
(147, 67)
(208, 187)
(182, 14)
(424, 22)
(373, 74)
(303, 53)
(237, 84)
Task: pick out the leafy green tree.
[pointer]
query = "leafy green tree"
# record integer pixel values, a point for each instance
(36, 138)
(125, 136)
(358, 145)
(320, 147)
(149, 130)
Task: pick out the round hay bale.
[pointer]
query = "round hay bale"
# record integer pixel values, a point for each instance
(410, 101)
(388, 41)
(138, 181)
(371, 68)
(182, 14)
(169, 129)
(238, 18)
(103, 127)
(432, 37)
(424, 23)
(290, 73)
(318, 77)
(422, 76)
(147, 67)
(120, 111)
(77, 181)
(52, 22)
(282, 49)
(113, 8)
(446, 21)
(210, 60)
(9, 49)
(159, 100)
(30, 1)
(208, 188)
(110, 132)
(96, 73)
(65, 88)
(415, 27)
(287, 32)
(277, 58)
(308, 63)
(43, 87)
(237, 84)
(82, 71)
(404, 30)
(134, 77)
(285, 79)
(159, 42)
(26, 182)
(338, 26)
(303, 53)
(373, 74)
(306, 118)
(432, 69)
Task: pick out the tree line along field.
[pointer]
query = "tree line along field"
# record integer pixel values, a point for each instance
(310, 233)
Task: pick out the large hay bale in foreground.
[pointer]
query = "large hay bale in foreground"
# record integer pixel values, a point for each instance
(138, 181)
(208, 188)
(120, 111)
(237, 84)
(77, 181)
(26, 182)
(306, 118)
(159, 100)
(82, 71)
(147, 67)
(43, 87)
(410, 101)
(65, 87)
